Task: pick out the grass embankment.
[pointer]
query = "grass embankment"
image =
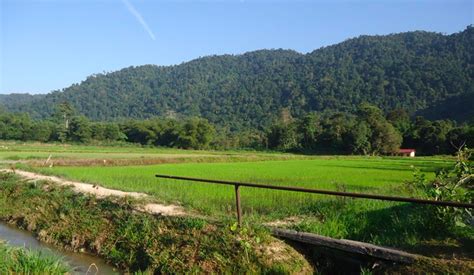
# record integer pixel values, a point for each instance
(138, 241)
(14, 260)
(387, 223)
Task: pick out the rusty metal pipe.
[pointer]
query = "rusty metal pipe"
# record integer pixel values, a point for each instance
(238, 207)
(324, 192)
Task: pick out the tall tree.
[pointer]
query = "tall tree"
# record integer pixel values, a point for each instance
(384, 139)
(80, 129)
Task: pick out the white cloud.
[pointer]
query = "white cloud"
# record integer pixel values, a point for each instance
(139, 17)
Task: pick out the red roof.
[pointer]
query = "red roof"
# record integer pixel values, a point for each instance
(406, 150)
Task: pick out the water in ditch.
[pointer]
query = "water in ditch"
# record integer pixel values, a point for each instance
(80, 263)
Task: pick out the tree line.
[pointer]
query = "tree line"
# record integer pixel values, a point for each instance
(368, 131)
(66, 126)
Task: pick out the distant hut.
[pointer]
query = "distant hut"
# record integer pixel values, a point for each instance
(407, 152)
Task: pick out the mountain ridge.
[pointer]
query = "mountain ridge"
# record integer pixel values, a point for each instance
(413, 70)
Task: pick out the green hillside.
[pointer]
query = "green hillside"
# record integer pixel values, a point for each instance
(417, 71)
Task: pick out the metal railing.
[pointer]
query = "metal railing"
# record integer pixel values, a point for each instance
(314, 191)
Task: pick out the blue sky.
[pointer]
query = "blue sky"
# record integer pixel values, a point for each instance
(51, 44)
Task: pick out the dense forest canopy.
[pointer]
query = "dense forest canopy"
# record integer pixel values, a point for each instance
(422, 72)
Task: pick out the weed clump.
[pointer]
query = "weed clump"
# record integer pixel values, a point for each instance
(24, 261)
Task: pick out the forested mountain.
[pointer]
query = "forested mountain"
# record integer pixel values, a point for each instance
(19, 100)
(418, 71)
(458, 108)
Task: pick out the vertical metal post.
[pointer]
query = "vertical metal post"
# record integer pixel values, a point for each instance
(238, 208)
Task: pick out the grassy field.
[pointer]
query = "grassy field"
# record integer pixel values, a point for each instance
(388, 223)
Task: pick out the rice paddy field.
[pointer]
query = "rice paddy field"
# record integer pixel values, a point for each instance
(40, 151)
(369, 175)
(379, 222)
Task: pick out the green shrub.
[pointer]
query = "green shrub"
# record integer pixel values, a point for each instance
(450, 184)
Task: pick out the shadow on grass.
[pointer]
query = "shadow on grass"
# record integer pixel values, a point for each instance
(459, 249)
(401, 224)
(406, 226)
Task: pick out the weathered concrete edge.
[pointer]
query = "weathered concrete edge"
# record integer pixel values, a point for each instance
(366, 249)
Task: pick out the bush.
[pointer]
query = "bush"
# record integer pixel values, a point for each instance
(453, 184)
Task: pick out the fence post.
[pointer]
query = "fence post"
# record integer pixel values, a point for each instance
(237, 202)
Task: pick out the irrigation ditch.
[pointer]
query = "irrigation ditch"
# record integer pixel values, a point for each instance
(80, 263)
(112, 229)
(335, 256)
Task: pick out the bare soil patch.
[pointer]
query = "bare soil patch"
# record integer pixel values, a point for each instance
(285, 222)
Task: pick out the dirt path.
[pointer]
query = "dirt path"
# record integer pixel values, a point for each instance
(101, 192)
